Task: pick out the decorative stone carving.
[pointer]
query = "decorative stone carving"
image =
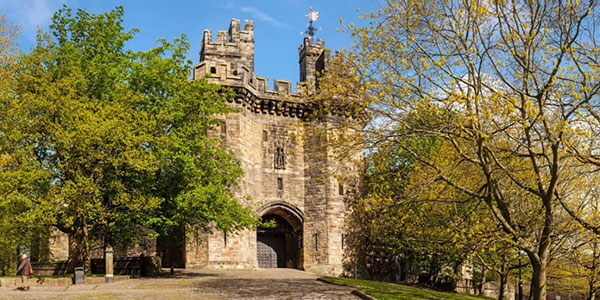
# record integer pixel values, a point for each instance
(279, 158)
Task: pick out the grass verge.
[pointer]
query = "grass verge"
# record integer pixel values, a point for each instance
(388, 291)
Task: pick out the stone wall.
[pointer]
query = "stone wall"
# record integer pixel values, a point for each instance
(280, 165)
(59, 245)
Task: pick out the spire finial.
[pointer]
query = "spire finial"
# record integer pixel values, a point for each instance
(312, 17)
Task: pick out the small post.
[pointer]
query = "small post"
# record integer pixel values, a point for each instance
(142, 265)
(172, 267)
(108, 263)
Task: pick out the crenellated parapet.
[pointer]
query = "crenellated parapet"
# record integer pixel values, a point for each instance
(234, 46)
(223, 73)
(229, 61)
(312, 59)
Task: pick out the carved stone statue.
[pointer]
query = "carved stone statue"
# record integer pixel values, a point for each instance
(279, 158)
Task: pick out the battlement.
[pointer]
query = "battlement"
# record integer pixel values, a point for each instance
(240, 75)
(230, 61)
(232, 36)
(234, 45)
(313, 59)
(308, 48)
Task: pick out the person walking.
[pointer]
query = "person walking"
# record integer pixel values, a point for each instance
(26, 270)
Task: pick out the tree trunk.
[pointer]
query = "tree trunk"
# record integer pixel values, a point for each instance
(503, 293)
(538, 281)
(482, 283)
(79, 249)
(87, 260)
(75, 242)
(591, 295)
(593, 277)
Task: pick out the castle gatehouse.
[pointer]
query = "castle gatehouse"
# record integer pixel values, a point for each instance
(286, 180)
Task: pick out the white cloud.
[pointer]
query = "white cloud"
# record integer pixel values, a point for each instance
(30, 13)
(257, 14)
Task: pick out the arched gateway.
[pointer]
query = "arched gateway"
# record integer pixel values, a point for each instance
(280, 246)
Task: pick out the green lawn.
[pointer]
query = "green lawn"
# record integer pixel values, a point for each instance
(388, 291)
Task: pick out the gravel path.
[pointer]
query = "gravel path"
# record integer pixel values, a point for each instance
(198, 284)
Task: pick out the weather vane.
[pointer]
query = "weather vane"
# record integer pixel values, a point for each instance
(312, 17)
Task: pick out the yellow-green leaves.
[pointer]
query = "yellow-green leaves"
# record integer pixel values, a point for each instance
(509, 88)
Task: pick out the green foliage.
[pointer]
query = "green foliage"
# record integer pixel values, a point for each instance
(390, 219)
(105, 141)
(14, 203)
(509, 92)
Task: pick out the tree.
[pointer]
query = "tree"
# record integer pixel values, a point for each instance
(14, 223)
(398, 217)
(576, 269)
(508, 87)
(120, 138)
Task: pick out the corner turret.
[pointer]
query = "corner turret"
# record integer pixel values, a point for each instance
(234, 47)
(313, 60)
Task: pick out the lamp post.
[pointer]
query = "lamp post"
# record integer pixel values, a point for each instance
(520, 279)
(521, 229)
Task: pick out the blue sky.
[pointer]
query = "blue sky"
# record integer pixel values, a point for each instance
(277, 24)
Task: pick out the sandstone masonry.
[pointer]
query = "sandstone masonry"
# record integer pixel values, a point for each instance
(286, 175)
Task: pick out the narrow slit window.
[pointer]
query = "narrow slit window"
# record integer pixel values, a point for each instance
(279, 184)
(223, 127)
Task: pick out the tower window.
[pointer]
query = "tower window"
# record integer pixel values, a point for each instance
(234, 68)
(223, 127)
(213, 70)
(340, 188)
(279, 184)
(264, 135)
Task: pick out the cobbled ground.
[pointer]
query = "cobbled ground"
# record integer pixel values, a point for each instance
(264, 284)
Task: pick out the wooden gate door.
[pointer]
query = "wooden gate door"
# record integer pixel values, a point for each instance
(270, 250)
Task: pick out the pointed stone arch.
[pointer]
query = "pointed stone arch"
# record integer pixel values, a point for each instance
(280, 246)
(290, 212)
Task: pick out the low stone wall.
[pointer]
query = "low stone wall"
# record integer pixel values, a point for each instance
(492, 289)
(13, 282)
(134, 266)
(221, 265)
(32, 281)
(47, 269)
(98, 280)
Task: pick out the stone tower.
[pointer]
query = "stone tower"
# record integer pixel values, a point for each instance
(285, 175)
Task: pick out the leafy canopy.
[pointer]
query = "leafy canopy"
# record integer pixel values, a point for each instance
(118, 141)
